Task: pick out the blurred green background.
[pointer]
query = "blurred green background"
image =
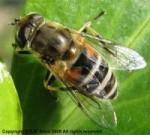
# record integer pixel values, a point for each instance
(9, 9)
(126, 22)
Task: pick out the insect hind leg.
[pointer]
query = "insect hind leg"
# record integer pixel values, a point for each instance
(87, 28)
(50, 79)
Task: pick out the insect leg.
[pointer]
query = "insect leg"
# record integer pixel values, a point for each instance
(23, 52)
(86, 26)
(18, 51)
(50, 80)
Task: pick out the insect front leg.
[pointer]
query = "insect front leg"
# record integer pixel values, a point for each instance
(20, 51)
(23, 52)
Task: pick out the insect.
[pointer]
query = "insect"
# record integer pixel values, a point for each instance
(81, 59)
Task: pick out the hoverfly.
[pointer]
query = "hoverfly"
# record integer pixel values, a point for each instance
(80, 60)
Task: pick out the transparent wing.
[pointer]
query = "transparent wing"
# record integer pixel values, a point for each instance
(119, 57)
(96, 109)
(100, 111)
(123, 59)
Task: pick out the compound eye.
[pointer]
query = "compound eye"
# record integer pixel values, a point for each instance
(35, 20)
(26, 27)
(37, 17)
(23, 35)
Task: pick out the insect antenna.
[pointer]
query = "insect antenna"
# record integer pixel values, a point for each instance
(16, 21)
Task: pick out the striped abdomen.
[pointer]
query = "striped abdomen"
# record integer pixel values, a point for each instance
(92, 74)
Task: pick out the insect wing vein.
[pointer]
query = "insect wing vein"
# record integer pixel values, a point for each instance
(97, 110)
(118, 56)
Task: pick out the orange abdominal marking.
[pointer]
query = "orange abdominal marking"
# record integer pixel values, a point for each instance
(91, 51)
(73, 75)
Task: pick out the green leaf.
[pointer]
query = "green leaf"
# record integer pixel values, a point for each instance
(126, 22)
(10, 111)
